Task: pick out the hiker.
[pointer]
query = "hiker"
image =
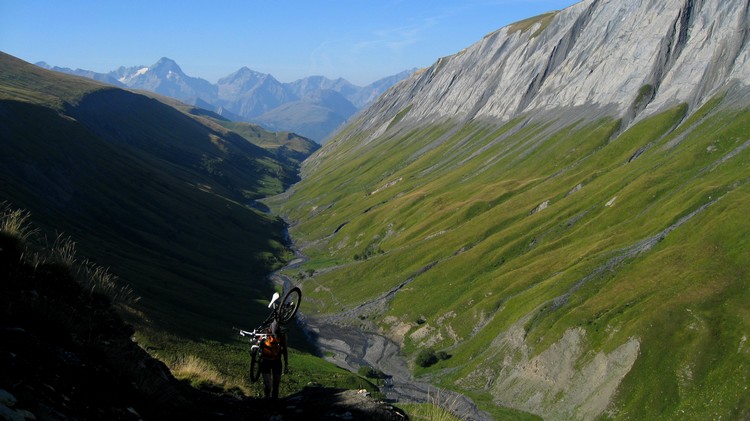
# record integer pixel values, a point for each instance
(273, 348)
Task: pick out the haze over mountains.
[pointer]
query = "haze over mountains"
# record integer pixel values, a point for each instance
(312, 107)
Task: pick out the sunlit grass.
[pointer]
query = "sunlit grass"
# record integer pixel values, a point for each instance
(462, 231)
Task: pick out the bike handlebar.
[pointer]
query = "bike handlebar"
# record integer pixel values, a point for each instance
(254, 333)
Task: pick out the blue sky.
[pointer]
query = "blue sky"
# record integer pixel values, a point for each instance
(361, 41)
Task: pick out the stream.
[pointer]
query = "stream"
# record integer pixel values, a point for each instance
(352, 348)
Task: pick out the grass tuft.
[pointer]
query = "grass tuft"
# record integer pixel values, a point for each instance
(202, 374)
(36, 251)
(15, 223)
(436, 408)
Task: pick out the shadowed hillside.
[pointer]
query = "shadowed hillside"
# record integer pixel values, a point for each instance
(160, 195)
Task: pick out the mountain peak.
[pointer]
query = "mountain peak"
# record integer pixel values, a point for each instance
(166, 65)
(244, 75)
(166, 61)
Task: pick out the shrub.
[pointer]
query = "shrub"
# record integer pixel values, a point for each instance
(426, 358)
(370, 373)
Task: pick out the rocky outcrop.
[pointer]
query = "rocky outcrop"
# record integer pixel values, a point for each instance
(516, 377)
(627, 58)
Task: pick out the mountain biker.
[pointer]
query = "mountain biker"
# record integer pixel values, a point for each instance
(273, 348)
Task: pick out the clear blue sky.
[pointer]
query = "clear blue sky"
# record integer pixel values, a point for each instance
(359, 40)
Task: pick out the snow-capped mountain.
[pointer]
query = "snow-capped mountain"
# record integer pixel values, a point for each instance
(167, 78)
(247, 95)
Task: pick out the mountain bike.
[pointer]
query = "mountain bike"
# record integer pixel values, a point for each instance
(281, 312)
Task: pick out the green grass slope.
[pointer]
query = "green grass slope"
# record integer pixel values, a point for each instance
(287, 147)
(570, 268)
(150, 191)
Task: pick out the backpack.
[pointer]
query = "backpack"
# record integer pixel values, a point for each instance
(271, 347)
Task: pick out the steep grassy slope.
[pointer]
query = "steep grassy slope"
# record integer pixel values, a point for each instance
(146, 189)
(287, 147)
(571, 269)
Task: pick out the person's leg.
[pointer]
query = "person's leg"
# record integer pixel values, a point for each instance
(267, 380)
(276, 379)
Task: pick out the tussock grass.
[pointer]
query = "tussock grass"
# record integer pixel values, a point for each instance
(202, 374)
(100, 280)
(15, 223)
(437, 408)
(37, 251)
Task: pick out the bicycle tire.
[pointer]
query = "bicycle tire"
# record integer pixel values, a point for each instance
(289, 305)
(255, 357)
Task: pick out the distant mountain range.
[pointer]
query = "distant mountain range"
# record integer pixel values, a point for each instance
(313, 107)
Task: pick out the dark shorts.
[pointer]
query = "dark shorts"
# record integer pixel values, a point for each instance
(270, 365)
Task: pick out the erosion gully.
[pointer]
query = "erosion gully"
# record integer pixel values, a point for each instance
(352, 348)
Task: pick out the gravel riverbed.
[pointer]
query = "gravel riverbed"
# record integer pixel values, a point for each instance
(351, 348)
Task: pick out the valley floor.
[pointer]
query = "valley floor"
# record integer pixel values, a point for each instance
(351, 348)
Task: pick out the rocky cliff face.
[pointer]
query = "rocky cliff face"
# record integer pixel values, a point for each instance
(630, 58)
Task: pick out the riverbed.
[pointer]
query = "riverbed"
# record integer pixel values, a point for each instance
(351, 348)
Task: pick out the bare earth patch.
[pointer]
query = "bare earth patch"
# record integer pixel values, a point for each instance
(562, 382)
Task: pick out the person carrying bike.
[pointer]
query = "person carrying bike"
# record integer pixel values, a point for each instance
(273, 349)
(268, 343)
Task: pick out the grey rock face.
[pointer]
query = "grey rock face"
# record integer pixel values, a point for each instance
(636, 57)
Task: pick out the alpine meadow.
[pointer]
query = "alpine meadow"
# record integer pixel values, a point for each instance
(551, 223)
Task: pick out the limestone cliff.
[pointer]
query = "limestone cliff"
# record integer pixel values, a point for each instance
(629, 58)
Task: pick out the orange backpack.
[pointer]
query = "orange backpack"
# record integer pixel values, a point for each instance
(271, 348)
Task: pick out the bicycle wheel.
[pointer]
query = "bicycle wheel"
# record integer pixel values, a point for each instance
(255, 356)
(289, 305)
